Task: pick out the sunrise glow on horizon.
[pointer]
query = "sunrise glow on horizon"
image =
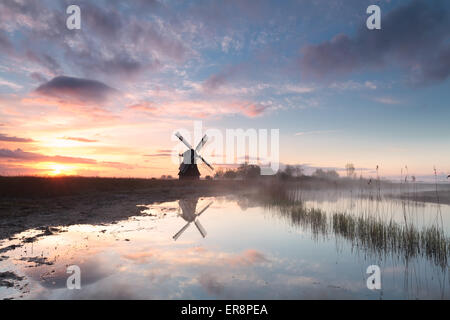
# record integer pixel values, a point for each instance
(105, 100)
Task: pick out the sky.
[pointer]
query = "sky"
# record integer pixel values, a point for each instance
(105, 100)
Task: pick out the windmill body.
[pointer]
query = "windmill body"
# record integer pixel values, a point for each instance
(188, 168)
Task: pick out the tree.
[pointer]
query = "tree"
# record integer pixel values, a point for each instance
(230, 174)
(218, 174)
(247, 171)
(350, 169)
(298, 171)
(289, 170)
(330, 174)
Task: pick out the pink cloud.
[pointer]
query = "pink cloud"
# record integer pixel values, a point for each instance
(78, 139)
(253, 110)
(21, 155)
(207, 109)
(145, 106)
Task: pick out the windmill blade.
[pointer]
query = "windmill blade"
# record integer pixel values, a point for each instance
(204, 209)
(200, 228)
(204, 161)
(179, 136)
(178, 234)
(201, 143)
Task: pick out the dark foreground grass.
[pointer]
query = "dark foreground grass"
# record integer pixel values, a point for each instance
(33, 187)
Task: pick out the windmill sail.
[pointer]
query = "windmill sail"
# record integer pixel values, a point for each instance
(179, 136)
(205, 162)
(200, 228)
(188, 207)
(201, 143)
(178, 234)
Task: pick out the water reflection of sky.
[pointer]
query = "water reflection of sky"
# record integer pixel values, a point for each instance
(247, 253)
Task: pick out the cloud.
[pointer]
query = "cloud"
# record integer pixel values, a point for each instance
(19, 154)
(38, 77)
(112, 43)
(202, 109)
(297, 89)
(119, 165)
(211, 284)
(23, 156)
(387, 100)
(247, 258)
(413, 36)
(191, 257)
(219, 79)
(230, 43)
(120, 64)
(302, 133)
(352, 85)
(79, 139)
(76, 90)
(160, 153)
(45, 60)
(253, 110)
(144, 107)
(370, 85)
(4, 137)
(105, 22)
(5, 44)
(10, 84)
(94, 268)
(222, 16)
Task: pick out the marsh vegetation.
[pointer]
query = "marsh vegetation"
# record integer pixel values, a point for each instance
(289, 234)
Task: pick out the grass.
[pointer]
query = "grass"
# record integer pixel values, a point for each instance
(36, 187)
(403, 241)
(371, 232)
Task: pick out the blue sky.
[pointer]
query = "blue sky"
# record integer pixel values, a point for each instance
(99, 100)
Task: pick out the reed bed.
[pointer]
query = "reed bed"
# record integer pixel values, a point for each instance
(371, 231)
(403, 241)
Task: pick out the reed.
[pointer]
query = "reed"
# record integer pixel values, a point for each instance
(369, 231)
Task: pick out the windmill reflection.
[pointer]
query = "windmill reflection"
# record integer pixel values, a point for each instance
(188, 213)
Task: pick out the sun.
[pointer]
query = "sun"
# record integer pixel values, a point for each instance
(59, 170)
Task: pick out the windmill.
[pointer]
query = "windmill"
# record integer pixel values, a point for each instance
(188, 168)
(188, 208)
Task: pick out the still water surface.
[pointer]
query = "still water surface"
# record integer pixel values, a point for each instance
(234, 248)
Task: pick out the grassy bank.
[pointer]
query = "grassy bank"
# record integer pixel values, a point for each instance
(29, 187)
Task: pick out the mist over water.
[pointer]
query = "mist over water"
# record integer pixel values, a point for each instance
(305, 245)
